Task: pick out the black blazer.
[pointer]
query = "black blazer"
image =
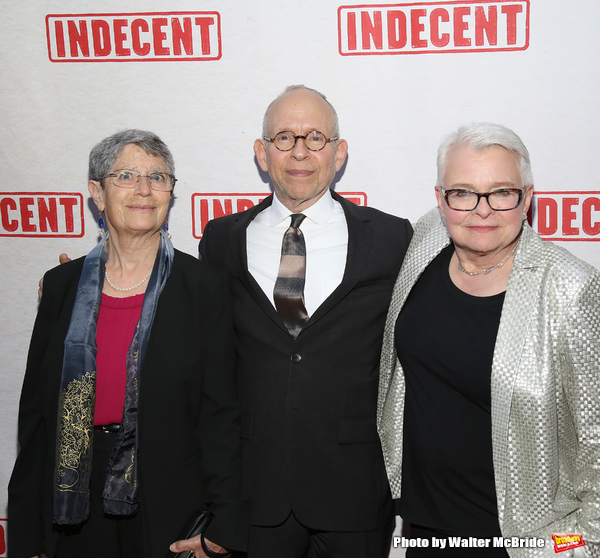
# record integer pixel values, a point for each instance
(309, 438)
(189, 454)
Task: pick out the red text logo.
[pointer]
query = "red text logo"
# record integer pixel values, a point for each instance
(567, 541)
(134, 37)
(210, 206)
(424, 27)
(3, 526)
(566, 215)
(41, 214)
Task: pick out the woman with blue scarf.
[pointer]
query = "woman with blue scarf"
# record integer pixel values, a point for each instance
(128, 421)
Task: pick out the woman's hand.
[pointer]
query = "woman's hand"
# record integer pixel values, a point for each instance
(195, 544)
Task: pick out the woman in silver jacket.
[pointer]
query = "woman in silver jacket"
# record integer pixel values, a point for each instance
(489, 399)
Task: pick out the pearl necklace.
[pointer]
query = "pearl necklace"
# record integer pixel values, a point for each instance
(128, 288)
(484, 271)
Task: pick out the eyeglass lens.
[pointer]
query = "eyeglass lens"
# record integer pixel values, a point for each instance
(315, 141)
(499, 200)
(130, 179)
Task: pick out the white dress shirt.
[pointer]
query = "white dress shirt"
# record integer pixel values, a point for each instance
(326, 236)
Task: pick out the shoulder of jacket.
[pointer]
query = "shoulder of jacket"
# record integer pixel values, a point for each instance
(191, 265)
(66, 271)
(227, 220)
(566, 265)
(377, 216)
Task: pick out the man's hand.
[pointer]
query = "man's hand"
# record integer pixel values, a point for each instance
(195, 545)
(63, 258)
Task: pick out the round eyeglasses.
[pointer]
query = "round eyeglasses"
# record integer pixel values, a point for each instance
(285, 141)
(161, 181)
(503, 199)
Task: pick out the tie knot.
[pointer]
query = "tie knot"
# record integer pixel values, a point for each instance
(297, 219)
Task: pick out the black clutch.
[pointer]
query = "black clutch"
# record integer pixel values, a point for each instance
(194, 526)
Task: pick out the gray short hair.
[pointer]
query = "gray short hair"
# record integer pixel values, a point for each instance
(104, 154)
(480, 136)
(336, 121)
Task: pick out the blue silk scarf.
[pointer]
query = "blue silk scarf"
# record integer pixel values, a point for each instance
(75, 428)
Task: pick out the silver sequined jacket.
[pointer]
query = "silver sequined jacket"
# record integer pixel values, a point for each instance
(545, 390)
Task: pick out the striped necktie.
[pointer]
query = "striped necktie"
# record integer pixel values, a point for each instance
(289, 286)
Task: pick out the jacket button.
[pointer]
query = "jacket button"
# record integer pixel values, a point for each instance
(296, 358)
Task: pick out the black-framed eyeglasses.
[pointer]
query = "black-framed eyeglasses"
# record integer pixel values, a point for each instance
(285, 141)
(503, 199)
(125, 178)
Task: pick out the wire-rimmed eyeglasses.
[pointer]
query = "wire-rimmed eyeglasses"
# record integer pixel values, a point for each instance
(125, 178)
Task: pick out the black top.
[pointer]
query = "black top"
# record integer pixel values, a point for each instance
(445, 342)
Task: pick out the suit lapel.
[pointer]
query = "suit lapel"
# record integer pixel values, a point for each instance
(237, 240)
(239, 253)
(521, 296)
(360, 237)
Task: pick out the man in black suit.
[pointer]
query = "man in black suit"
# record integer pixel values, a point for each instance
(313, 465)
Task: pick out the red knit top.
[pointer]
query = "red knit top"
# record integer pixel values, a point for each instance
(117, 321)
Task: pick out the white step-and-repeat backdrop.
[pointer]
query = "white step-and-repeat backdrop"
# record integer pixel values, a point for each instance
(200, 74)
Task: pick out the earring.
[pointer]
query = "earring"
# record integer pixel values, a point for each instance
(101, 225)
(166, 227)
(524, 216)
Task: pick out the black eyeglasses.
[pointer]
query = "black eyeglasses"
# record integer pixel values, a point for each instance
(125, 178)
(285, 141)
(503, 199)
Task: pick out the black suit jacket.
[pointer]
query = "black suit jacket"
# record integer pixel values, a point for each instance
(309, 438)
(189, 453)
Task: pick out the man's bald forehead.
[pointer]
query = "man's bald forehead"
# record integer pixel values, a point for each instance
(290, 90)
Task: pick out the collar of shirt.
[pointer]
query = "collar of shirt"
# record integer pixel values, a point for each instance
(326, 234)
(320, 212)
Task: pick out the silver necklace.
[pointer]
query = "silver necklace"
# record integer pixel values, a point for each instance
(128, 288)
(483, 271)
